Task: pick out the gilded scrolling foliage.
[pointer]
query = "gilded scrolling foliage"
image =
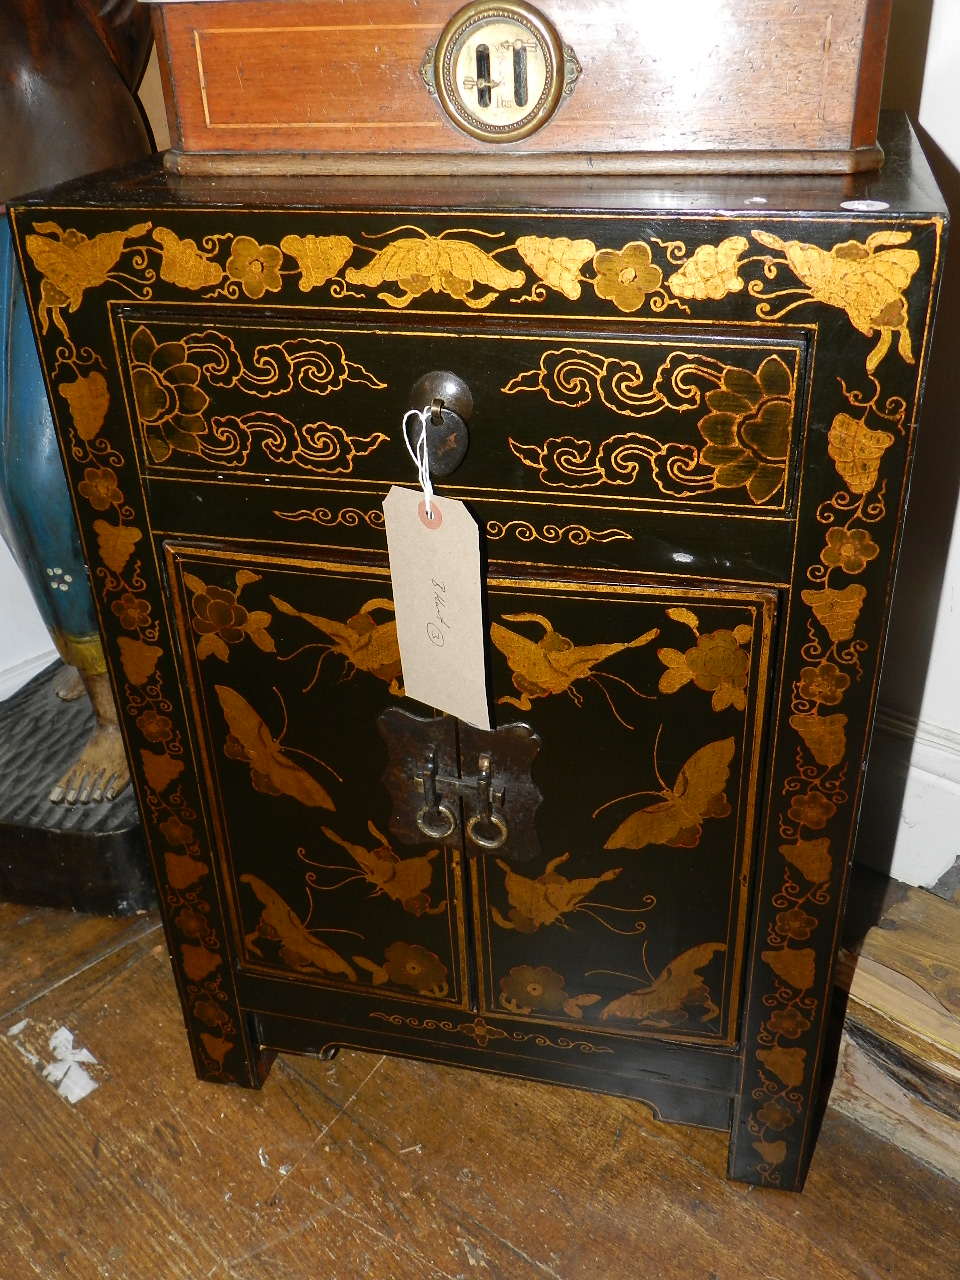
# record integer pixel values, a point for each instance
(484, 1033)
(71, 263)
(866, 280)
(746, 431)
(172, 405)
(348, 516)
(577, 535)
(677, 818)
(817, 793)
(554, 664)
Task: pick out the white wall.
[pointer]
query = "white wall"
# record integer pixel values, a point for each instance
(911, 823)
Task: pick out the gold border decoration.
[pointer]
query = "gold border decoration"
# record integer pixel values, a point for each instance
(482, 1033)
(819, 789)
(867, 280)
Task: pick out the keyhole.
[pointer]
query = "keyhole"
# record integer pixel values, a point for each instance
(484, 94)
(519, 74)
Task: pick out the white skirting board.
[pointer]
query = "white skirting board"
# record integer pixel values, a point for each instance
(910, 822)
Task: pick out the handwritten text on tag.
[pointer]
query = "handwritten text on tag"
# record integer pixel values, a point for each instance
(435, 567)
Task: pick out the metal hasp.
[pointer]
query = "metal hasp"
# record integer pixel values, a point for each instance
(454, 783)
(447, 404)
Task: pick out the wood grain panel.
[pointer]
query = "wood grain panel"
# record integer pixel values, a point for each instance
(312, 75)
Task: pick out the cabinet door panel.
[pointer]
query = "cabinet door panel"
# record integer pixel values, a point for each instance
(650, 706)
(288, 666)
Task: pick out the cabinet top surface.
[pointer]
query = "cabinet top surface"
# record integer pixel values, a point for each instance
(904, 187)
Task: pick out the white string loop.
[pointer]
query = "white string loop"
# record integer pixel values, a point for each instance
(419, 454)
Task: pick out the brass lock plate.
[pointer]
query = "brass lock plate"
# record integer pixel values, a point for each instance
(500, 70)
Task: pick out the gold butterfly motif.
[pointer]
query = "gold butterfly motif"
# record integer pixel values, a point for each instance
(662, 1004)
(553, 664)
(677, 818)
(299, 948)
(271, 770)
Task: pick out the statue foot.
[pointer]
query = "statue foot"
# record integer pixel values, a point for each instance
(101, 773)
(68, 684)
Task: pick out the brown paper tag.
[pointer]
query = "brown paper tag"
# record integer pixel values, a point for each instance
(435, 567)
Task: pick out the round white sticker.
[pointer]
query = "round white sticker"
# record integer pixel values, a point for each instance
(865, 206)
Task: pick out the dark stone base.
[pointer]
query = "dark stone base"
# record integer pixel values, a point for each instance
(87, 857)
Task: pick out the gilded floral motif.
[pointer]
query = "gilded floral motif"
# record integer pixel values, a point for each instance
(155, 728)
(220, 620)
(717, 663)
(748, 424)
(626, 276)
(525, 989)
(825, 684)
(748, 428)
(812, 810)
(170, 401)
(409, 965)
(99, 487)
(133, 611)
(255, 267)
(849, 549)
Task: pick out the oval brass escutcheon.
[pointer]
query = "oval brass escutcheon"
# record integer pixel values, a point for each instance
(500, 70)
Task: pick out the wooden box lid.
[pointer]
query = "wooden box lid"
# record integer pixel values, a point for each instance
(358, 86)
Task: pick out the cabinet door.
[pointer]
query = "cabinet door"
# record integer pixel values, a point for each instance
(649, 704)
(288, 665)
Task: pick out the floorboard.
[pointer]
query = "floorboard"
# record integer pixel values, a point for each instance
(382, 1167)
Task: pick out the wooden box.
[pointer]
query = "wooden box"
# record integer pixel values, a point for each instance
(693, 419)
(638, 85)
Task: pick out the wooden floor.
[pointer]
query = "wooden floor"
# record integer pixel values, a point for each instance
(376, 1167)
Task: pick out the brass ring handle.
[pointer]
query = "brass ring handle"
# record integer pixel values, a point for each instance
(433, 830)
(485, 842)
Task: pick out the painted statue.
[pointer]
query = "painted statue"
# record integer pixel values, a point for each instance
(68, 69)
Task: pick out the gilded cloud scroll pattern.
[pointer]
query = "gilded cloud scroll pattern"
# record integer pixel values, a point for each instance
(172, 405)
(745, 431)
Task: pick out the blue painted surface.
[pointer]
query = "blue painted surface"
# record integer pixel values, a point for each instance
(36, 518)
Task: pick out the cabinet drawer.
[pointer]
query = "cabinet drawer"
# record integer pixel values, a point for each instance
(674, 420)
(630, 921)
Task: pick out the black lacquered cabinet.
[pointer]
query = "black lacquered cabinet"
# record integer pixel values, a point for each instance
(693, 410)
